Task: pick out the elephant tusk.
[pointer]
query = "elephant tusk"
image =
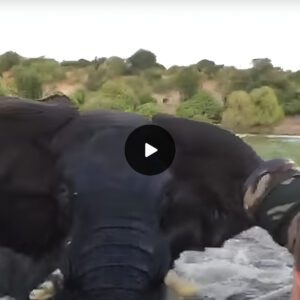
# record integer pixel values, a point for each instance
(43, 292)
(180, 286)
(49, 287)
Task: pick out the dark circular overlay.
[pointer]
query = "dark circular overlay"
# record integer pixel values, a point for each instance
(156, 137)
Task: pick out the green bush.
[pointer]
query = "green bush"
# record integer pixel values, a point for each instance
(100, 101)
(148, 109)
(268, 110)
(291, 103)
(78, 98)
(114, 89)
(240, 113)
(48, 70)
(28, 83)
(202, 118)
(139, 88)
(259, 108)
(143, 99)
(201, 104)
(115, 95)
(3, 88)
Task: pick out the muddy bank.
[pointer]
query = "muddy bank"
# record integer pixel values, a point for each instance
(289, 126)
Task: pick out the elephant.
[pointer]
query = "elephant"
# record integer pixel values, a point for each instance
(63, 173)
(205, 196)
(20, 273)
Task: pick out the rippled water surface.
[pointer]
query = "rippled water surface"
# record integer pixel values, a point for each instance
(250, 266)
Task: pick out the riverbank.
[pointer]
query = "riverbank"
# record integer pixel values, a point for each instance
(289, 126)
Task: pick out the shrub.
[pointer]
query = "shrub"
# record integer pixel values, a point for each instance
(28, 84)
(100, 101)
(148, 109)
(146, 99)
(139, 87)
(240, 111)
(268, 110)
(3, 88)
(186, 82)
(115, 66)
(201, 104)
(292, 107)
(259, 108)
(78, 98)
(48, 70)
(96, 78)
(153, 74)
(115, 95)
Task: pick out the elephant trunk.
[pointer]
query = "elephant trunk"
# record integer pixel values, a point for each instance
(121, 263)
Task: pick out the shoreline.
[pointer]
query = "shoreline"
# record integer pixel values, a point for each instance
(272, 136)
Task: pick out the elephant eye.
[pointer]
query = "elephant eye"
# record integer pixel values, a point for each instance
(63, 195)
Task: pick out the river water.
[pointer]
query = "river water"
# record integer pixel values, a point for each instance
(250, 266)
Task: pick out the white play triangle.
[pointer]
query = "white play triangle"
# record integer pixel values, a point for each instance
(149, 150)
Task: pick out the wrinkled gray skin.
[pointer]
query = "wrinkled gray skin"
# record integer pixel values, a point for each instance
(117, 249)
(20, 273)
(63, 173)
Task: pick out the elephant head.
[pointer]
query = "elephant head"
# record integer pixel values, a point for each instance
(64, 173)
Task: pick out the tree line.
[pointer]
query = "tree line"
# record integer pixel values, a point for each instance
(241, 99)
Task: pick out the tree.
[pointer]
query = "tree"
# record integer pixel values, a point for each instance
(208, 67)
(187, 82)
(262, 64)
(201, 104)
(142, 59)
(8, 60)
(115, 66)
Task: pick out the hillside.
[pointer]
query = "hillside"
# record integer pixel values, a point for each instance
(263, 98)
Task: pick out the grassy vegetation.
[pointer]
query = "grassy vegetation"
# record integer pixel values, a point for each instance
(242, 100)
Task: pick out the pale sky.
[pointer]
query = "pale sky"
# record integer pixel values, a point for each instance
(183, 32)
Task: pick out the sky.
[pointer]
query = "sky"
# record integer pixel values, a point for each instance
(229, 32)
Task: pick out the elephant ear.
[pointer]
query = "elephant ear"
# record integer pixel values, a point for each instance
(30, 206)
(204, 203)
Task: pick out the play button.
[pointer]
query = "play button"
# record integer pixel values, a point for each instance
(149, 150)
